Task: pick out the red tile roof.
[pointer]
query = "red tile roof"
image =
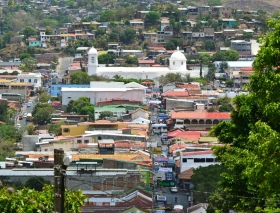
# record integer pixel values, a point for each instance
(175, 94)
(247, 69)
(32, 39)
(174, 132)
(197, 153)
(146, 61)
(199, 115)
(177, 146)
(188, 86)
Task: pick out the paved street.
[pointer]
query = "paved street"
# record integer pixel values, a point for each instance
(63, 64)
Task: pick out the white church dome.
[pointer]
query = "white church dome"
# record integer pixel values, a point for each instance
(178, 56)
(92, 51)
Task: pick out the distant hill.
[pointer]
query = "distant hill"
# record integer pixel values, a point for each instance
(265, 5)
(270, 6)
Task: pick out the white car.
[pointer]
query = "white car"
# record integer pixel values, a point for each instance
(178, 208)
(25, 115)
(18, 126)
(174, 189)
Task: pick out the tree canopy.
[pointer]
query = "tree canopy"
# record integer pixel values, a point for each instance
(81, 106)
(104, 114)
(30, 200)
(152, 17)
(79, 77)
(251, 138)
(228, 55)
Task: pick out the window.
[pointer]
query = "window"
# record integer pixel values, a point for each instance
(208, 160)
(173, 62)
(21, 80)
(66, 130)
(86, 141)
(92, 60)
(52, 88)
(79, 141)
(115, 113)
(199, 160)
(35, 80)
(182, 63)
(29, 80)
(185, 160)
(59, 88)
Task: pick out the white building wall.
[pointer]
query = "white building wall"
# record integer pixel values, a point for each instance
(30, 78)
(141, 114)
(191, 164)
(137, 95)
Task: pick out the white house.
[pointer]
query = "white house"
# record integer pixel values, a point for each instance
(31, 78)
(102, 91)
(140, 113)
(177, 64)
(196, 159)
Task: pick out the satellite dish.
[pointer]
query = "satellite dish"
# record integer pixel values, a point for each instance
(67, 160)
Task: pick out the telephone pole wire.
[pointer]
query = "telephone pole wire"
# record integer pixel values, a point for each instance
(59, 181)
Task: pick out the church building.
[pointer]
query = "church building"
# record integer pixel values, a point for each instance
(177, 64)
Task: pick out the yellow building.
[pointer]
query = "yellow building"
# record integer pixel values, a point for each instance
(13, 91)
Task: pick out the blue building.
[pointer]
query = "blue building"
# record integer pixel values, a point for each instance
(55, 89)
(229, 22)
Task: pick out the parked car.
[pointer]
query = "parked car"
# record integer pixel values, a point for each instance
(25, 115)
(20, 117)
(174, 189)
(18, 126)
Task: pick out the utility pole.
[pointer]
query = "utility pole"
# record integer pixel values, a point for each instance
(154, 182)
(59, 182)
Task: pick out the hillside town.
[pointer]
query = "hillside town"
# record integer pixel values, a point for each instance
(139, 106)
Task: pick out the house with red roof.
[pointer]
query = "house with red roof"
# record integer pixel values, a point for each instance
(33, 42)
(146, 63)
(198, 120)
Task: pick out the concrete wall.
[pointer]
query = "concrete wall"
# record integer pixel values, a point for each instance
(29, 141)
(94, 96)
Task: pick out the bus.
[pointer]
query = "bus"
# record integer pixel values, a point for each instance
(161, 198)
(29, 117)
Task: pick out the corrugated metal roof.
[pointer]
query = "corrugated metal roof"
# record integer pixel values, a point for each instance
(200, 115)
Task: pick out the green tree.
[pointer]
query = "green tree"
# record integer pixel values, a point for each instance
(107, 16)
(170, 46)
(104, 114)
(88, 110)
(4, 111)
(29, 200)
(128, 35)
(205, 179)
(106, 59)
(251, 139)
(23, 56)
(42, 113)
(7, 149)
(214, 2)
(205, 58)
(152, 17)
(79, 77)
(9, 132)
(209, 46)
(28, 65)
(44, 97)
(228, 55)
(36, 183)
(55, 128)
(170, 78)
(131, 60)
(80, 103)
(29, 31)
(30, 128)
(70, 106)
(223, 66)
